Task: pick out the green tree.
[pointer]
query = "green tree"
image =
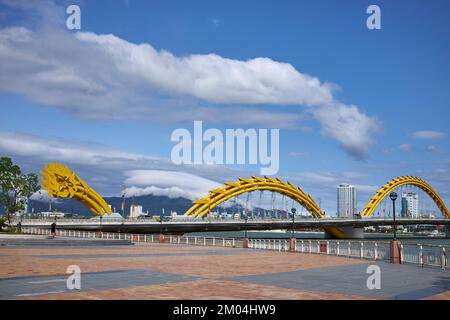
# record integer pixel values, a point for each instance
(16, 187)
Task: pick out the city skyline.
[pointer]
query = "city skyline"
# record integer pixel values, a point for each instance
(372, 108)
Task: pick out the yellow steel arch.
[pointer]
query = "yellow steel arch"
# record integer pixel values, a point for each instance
(232, 189)
(398, 182)
(60, 182)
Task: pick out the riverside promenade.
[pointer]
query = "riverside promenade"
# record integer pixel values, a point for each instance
(163, 271)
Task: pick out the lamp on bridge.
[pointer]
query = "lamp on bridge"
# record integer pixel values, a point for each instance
(393, 196)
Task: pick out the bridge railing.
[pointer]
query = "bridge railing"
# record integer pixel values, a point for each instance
(182, 219)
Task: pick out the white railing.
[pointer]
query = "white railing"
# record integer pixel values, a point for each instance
(149, 238)
(422, 255)
(425, 255)
(419, 254)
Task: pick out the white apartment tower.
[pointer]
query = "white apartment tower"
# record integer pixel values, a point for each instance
(410, 205)
(346, 201)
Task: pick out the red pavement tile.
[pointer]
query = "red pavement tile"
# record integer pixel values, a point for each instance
(26, 261)
(200, 290)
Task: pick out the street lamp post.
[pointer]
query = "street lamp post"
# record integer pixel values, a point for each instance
(293, 210)
(292, 240)
(246, 219)
(393, 196)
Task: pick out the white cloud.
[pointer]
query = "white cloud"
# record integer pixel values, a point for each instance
(42, 195)
(431, 148)
(104, 76)
(429, 135)
(297, 154)
(89, 73)
(216, 22)
(354, 130)
(106, 169)
(211, 77)
(405, 147)
(169, 183)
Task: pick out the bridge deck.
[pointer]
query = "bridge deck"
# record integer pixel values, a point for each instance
(174, 226)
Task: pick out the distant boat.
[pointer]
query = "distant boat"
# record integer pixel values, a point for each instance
(433, 233)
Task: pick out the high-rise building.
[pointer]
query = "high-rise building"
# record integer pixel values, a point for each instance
(346, 201)
(135, 211)
(410, 205)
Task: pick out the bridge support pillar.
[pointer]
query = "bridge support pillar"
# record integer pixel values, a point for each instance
(395, 251)
(344, 233)
(292, 243)
(245, 243)
(161, 238)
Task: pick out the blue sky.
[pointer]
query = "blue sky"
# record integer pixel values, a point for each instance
(397, 79)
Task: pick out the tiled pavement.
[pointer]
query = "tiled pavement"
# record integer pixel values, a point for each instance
(188, 272)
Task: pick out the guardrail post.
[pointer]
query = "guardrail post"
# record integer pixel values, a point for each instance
(443, 259)
(328, 247)
(195, 240)
(214, 242)
(318, 246)
(223, 242)
(420, 255)
(395, 251)
(361, 250)
(292, 243)
(375, 254)
(337, 248)
(349, 251)
(401, 253)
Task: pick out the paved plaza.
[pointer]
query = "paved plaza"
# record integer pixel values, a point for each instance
(164, 271)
